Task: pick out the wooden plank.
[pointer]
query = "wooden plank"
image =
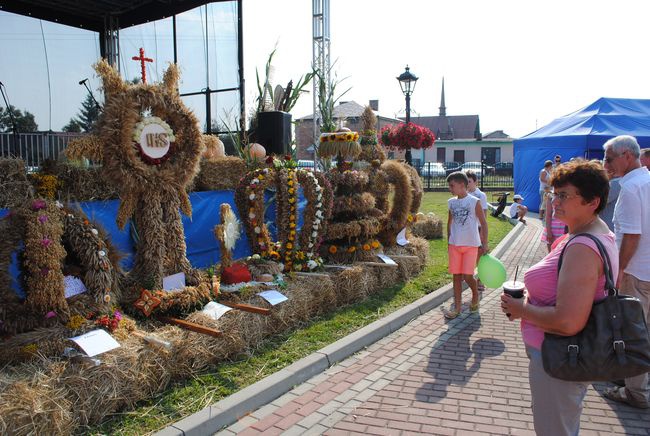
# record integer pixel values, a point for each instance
(313, 275)
(379, 264)
(403, 256)
(247, 308)
(192, 326)
(338, 267)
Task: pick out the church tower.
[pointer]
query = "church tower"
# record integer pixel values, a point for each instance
(443, 108)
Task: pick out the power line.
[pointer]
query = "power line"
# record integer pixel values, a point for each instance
(47, 66)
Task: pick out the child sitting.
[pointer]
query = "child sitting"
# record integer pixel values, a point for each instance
(465, 240)
(518, 210)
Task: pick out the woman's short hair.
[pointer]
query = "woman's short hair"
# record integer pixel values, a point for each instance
(589, 178)
(458, 176)
(623, 143)
(548, 163)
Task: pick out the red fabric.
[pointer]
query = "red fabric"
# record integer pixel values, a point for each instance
(236, 273)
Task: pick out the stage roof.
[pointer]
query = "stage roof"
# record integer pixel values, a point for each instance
(92, 15)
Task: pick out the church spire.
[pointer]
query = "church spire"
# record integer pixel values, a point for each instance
(443, 109)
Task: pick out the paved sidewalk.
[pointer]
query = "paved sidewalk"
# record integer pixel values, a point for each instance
(466, 376)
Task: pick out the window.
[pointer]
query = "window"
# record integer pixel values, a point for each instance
(491, 155)
(441, 154)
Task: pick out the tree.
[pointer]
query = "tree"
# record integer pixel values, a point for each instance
(88, 114)
(73, 126)
(25, 122)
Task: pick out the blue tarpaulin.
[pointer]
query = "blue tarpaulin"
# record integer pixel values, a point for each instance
(202, 246)
(579, 134)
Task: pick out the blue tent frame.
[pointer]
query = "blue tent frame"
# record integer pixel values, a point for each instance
(578, 134)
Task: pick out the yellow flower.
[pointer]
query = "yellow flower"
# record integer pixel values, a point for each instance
(260, 177)
(290, 183)
(289, 245)
(409, 218)
(366, 247)
(290, 190)
(375, 244)
(352, 249)
(332, 249)
(30, 349)
(75, 322)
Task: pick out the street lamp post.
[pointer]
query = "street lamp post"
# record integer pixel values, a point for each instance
(407, 83)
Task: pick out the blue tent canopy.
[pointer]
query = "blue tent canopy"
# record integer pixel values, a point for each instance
(578, 134)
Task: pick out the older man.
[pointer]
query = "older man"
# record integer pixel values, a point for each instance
(645, 158)
(632, 228)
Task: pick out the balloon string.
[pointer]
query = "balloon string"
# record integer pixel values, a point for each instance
(516, 272)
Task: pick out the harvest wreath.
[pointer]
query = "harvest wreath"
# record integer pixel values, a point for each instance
(51, 234)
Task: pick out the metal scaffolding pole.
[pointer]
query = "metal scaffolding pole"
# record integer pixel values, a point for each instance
(320, 59)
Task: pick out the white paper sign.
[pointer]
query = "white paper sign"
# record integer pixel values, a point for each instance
(215, 310)
(174, 282)
(96, 342)
(386, 259)
(73, 286)
(401, 238)
(273, 297)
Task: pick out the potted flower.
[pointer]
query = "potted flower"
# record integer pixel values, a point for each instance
(406, 136)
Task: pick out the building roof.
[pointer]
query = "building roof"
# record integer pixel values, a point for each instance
(349, 109)
(451, 127)
(497, 134)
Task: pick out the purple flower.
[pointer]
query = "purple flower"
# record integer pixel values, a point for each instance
(45, 242)
(42, 219)
(39, 204)
(45, 271)
(117, 315)
(50, 314)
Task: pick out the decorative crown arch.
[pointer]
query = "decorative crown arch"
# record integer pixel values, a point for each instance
(297, 251)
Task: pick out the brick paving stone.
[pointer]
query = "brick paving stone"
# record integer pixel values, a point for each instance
(433, 376)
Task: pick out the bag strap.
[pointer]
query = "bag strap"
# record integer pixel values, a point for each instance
(610, 285)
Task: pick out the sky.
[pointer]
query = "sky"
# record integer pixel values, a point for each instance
(517, 64)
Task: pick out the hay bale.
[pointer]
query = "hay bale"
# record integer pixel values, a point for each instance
(30, 404)
(83, 184)
(15, 188)
(428, 227)
(220, 174)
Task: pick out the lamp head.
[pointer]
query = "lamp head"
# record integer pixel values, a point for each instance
(407, 81)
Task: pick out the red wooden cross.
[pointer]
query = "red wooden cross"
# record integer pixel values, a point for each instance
(142, 60)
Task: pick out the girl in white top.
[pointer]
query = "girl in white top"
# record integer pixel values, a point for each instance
(465, 240)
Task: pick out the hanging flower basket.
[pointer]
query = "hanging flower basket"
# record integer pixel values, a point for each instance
(406, 136)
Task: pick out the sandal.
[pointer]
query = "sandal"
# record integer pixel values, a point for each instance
(474, 307)
(451, 314)
(619, 394)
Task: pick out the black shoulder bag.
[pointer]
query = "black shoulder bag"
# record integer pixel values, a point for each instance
(614, 343)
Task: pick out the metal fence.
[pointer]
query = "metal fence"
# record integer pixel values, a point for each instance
(34, 148)
(498, 177)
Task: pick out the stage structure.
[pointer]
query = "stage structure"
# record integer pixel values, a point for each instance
(110, 18)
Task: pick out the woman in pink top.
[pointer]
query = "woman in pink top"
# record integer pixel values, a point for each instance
(561, 303)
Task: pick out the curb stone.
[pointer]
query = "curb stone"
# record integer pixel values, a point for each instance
(227, 411)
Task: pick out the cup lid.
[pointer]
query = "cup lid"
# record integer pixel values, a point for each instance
(511, 284)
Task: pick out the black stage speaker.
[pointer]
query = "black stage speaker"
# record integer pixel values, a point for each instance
(274, 131)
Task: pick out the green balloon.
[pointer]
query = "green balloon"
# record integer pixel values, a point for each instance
(491, 271)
